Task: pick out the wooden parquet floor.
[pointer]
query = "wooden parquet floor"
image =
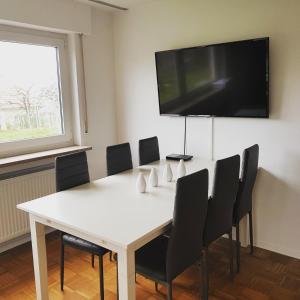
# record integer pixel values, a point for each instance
(265, 275)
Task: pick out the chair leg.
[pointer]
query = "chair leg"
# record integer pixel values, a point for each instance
(169, 286)
(118, 280)
(201, 274)
(205, 276)
(238, 247)
(231, 253)
(156, 287)
(251, 232)
(93, 260)
(101, 277)
(62, 265)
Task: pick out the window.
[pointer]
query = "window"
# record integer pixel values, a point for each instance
(33, 91)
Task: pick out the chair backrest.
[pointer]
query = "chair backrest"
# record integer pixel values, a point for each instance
(186, 239)
(71, 170)
(148, 150)
(243, 203)
(220, 205)
(118, 158)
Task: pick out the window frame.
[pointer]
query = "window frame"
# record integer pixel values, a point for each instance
(59, 41)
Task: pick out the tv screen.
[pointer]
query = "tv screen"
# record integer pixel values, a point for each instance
(224, 80)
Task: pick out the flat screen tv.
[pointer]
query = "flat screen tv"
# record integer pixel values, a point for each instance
(223, 80)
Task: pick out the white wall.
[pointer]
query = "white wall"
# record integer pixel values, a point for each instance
(99, 75)
(167, 24)
(61, 15)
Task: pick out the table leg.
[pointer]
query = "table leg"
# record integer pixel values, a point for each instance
(126, 272)
(39, 259)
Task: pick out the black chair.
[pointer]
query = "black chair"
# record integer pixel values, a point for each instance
(243, 205)
(148, 150)
(72, 170)
(118, 158)
(163, 259)
(220, 208)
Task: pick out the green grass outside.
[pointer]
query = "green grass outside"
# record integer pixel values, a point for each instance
(26, 134)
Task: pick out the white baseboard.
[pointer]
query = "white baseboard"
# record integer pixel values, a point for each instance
(20, 241)
(295, 253)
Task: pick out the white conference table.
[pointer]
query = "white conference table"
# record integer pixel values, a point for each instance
(108, 212)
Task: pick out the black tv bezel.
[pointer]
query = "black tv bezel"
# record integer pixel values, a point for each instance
(267, 76)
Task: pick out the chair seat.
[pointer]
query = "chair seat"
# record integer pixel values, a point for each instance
(150, 260)
(84, 245)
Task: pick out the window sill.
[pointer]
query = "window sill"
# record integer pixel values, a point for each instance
(19, 159)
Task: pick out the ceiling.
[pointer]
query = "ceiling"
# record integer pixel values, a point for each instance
(121, 4)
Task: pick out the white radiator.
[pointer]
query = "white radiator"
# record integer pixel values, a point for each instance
(13, 222)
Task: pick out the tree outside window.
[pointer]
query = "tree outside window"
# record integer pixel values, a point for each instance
(30, 98)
